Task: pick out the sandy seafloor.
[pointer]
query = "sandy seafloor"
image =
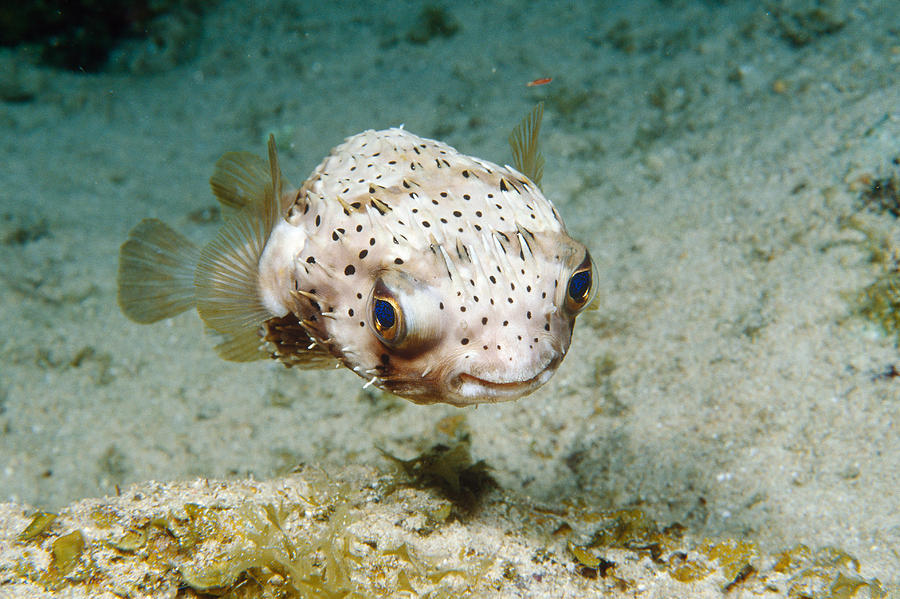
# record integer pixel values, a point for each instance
(725, 382)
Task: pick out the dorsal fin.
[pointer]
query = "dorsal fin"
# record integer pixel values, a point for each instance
(156, 272)
(239, 179)
(227, 274)
(523, 140)
(274, 167)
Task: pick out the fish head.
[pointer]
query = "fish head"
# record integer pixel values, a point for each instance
(448, 327)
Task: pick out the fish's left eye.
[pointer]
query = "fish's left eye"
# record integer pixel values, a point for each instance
(580, 286)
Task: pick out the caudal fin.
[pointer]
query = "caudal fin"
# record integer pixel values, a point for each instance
(156, 272)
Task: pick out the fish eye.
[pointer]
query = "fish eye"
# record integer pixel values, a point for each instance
(387, 316)
(581, 285)
(404, 314)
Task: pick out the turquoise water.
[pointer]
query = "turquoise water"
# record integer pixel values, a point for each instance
(706, 152)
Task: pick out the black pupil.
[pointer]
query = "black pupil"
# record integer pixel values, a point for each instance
(384, 313)
(579, 285)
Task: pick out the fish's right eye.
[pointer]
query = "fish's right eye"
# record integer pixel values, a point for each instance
(404, 314)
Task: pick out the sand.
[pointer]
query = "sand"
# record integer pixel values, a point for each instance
(706, 152)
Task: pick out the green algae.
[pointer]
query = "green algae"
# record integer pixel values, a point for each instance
(39, 523)
(879, 301)
(317, 537)
(67, 551)
(450, 470)
(828, 573)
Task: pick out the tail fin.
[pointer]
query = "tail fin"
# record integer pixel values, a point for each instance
(156, 272)
(227, 274)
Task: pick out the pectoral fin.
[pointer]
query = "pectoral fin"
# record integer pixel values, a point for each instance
(227, 274)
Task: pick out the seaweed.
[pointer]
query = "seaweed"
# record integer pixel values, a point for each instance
(883, 194)
(448, 469)
(262, 553)
(879, 301)
(315, 537)
(38, 525)
(801, 23)
(66, 552)
(828, 573)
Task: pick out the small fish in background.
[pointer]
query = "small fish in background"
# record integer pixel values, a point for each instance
(434, 275)
(541, 81)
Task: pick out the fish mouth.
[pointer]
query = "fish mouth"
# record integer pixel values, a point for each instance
(474, 389)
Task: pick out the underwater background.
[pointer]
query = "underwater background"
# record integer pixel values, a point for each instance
(733, 166)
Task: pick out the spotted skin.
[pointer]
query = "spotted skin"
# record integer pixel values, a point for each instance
(470, 258)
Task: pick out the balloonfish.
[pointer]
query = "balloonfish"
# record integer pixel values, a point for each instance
(436, 276)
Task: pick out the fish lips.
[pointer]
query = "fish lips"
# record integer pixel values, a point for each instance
(469, 388)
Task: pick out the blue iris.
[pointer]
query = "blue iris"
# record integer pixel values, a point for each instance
(579, 285)
(384, 313)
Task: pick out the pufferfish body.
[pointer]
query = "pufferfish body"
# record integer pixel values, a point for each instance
(434, 275)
